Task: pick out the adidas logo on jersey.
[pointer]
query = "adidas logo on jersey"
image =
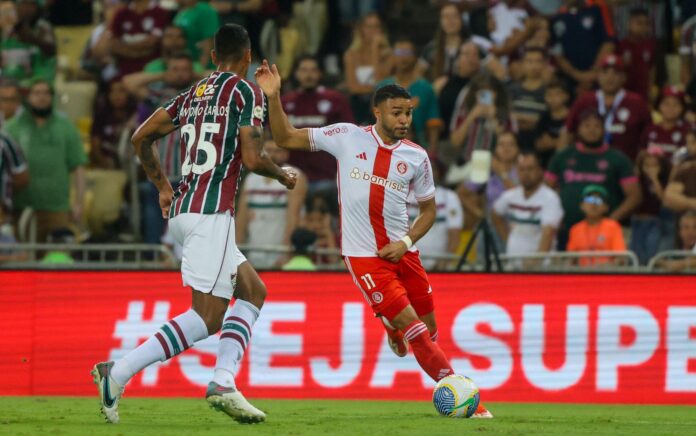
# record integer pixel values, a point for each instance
(362, 156)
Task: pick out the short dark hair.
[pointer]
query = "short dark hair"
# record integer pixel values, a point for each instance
(557, 83)
(535, 154)
(389, 91)
(231, 41)
(180, 56)
(306, 57)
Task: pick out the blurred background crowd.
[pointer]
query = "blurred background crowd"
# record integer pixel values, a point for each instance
(566, 125)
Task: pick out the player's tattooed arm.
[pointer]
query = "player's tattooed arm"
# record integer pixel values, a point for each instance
(256, 159)
(158, 125)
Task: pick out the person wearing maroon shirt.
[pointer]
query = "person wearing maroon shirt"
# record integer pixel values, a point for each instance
(638, 53)
(669, 134)
(313, 105)
(136, 35)
(625, 113)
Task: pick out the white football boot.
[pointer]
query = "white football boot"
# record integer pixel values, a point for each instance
(233, 403)
(109, 391)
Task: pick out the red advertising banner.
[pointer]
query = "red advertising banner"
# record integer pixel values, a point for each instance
(545, 338)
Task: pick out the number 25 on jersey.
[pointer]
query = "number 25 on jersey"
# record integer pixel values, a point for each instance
(201, 145)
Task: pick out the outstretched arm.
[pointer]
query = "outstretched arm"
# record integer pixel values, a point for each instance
(158, 125)
(284, 134)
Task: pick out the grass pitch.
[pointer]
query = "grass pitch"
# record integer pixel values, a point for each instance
(140, 416)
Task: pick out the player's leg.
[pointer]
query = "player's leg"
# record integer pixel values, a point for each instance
(222, 393)
(205, 239)
(420, 295)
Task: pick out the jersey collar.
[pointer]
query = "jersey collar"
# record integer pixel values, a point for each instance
(582, 149)
(373, 131)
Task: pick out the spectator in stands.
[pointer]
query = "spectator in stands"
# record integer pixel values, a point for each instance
(579, 42)
(112, 117)
(527, 97)
(426, 124)
(314, 105)
(551, 123)
(648, 223)
(236, 11)
(96, 60)
(479, 198)
(301, 240)
(451, 90)
(152, 90)
(366, 62)
(528, 216)
(592, 161)
(687, 242)
(319, 221)
(10, 99)
(680, 194)
(596, 232)
(439, 57)
(625, 113)
(444, 236)
(14, 174)
(54, 153)
(173, 43)
(22, 60)
(638, 51)
(136, 35)
(267, 213)
(481, 118)
(539, 39)
(669, 134)
(200, 22)
(33, 29)
(687, 52)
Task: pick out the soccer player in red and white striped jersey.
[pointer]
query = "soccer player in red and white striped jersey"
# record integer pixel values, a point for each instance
(377, 169)
(220, 120)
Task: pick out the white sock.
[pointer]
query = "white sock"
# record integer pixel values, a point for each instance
(234, 338)
(171, 339)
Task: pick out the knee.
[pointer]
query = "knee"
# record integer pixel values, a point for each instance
(255, 294)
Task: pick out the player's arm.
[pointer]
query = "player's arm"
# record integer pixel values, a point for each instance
(284, 134)
(158, 125)
(257, 161)
(427, 212)
(296, 199)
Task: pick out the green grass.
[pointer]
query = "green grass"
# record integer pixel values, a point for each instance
(161, 417)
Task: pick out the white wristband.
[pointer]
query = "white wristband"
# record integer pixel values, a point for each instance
(407, 240)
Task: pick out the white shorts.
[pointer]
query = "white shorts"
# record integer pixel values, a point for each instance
(209, 254)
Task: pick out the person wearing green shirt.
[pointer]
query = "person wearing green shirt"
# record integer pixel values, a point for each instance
(54, 152)
(301, 240)
(173, 43)
(200, 22)
(427, 123)
(591, 161)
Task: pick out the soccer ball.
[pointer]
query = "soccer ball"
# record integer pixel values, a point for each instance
(456, 396)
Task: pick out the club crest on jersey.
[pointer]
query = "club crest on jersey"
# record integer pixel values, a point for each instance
(258, 112)
(401, 167)
(377, 297)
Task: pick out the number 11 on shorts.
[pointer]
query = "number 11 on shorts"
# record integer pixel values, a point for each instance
(367, 278)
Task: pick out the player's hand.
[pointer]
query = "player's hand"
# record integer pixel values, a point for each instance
(268, 78)
(165, 202)
(393, 252)
(290, 178)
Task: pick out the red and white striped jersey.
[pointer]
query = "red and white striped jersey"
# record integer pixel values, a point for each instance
(209, 116)
(374, 180)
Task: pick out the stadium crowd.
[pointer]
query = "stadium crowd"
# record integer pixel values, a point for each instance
(568, 125)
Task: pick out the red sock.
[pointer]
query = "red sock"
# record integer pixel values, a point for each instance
(433, 336)
(428, 354)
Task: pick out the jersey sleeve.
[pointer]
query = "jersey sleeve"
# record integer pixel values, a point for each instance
(252, 105)
(552, 212)
(627, 174)
(76, 155)
(455, 212)
(500, 205)
(172, 107)
(329, 138)
(423, 185)
(12, 154)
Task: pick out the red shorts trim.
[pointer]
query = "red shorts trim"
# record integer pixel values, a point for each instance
(390, 287)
